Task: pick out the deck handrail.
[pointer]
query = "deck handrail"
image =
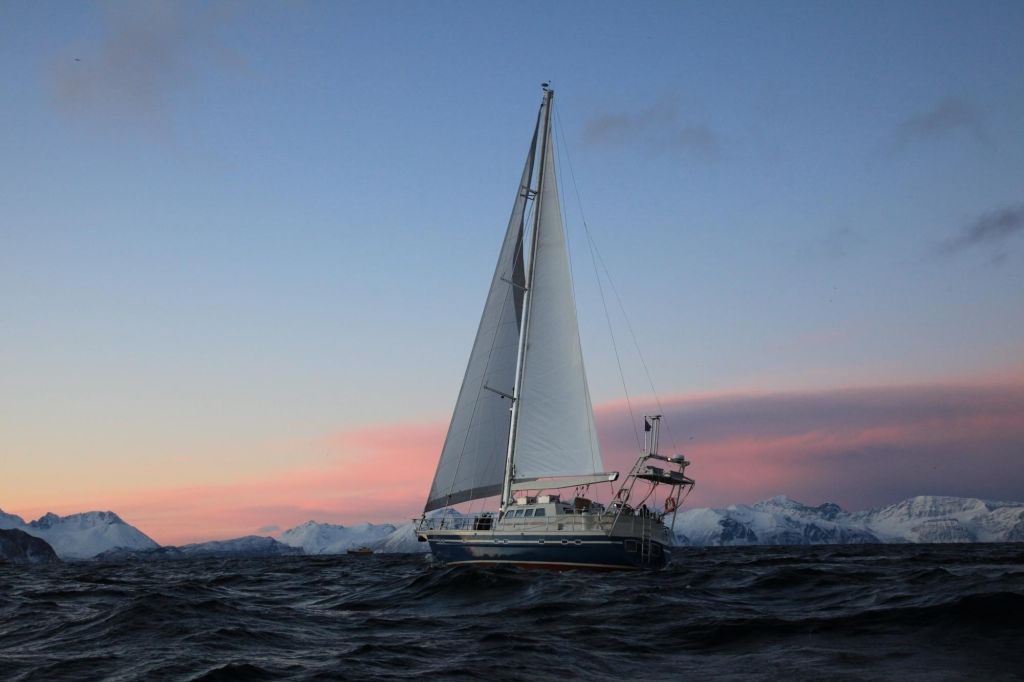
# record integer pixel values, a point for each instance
(555, 522)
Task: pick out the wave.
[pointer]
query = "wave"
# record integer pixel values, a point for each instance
(759, 612)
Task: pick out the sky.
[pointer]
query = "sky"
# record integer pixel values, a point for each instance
(244, 245)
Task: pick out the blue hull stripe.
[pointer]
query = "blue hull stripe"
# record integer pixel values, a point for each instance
(600, 552)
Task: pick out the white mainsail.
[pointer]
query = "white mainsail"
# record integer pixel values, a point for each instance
(555, 435)
(473, 458)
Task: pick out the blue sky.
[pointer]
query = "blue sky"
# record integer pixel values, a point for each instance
(232, 224)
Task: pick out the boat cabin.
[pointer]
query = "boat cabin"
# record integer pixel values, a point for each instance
(545, 506)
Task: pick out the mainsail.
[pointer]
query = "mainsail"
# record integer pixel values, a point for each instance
(555, 434)
(473, 458)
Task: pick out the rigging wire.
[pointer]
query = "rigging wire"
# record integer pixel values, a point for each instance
(636, 344)
(600, 287)
(599, 258)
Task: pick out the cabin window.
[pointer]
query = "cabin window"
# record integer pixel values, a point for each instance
(529, 512)
(517, 512)
(540, 512)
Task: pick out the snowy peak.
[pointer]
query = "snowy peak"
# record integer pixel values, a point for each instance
(931, 518)
(788, 506)
(929, 507)
(779, 502)
(82, 536)
(784, 521)
(330, 538)
(828, 510)
(327, 538)
(250, 545)
(778, 521)
(81, 520)
(403, 541)
(47, 520)
(10, 520)
(313, 524)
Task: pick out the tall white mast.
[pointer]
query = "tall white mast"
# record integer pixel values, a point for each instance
(506, 487)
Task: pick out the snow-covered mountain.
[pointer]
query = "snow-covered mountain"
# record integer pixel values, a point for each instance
(403, 541)
(783, 521)
(946, 519)
(385, 538)
(248, 546)
(81, 536)
(10, 520)
(330, 538)
(777, 521)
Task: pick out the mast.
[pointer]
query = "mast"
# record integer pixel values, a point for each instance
(524, 328)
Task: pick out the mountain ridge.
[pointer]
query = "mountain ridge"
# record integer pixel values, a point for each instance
(82, 535)
(924, 518)
(778, 520)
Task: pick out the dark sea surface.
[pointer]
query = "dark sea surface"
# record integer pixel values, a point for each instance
(908, 612)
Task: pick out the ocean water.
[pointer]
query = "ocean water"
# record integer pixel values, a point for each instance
(911, 612)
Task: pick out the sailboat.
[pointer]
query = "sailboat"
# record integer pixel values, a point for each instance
(523, 425)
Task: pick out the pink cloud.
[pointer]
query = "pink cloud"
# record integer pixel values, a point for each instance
(379, 473)
(859, 447)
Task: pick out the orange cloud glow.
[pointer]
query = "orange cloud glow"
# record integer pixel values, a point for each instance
(858, 447)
